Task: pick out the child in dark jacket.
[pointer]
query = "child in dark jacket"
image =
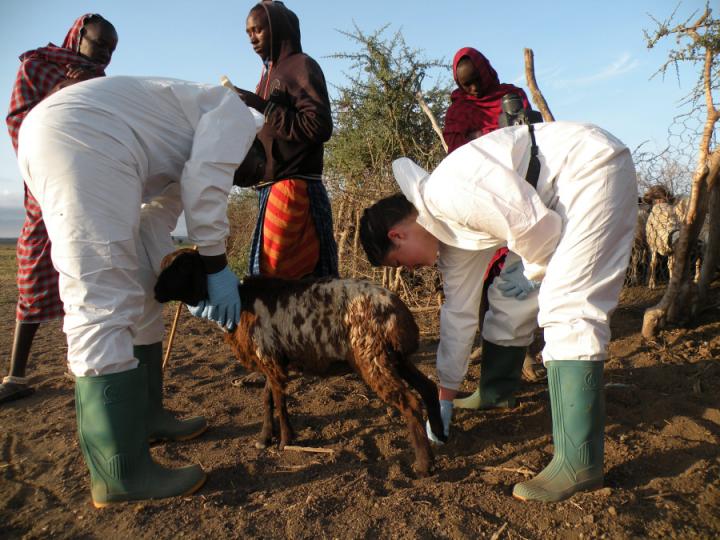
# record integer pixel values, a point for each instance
(294, 235)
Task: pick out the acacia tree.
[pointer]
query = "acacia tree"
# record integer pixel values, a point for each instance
(377, 116)
(698, 43)
(377, 119)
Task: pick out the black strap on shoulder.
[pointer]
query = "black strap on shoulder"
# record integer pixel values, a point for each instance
(533, 172)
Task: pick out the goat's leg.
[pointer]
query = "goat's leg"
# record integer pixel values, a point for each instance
(428, 392)
(267, 432)
(671, 262)
(396, 393)
(278, 392)
(651, 271)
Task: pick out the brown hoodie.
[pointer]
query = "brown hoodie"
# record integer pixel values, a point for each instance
(297, 118)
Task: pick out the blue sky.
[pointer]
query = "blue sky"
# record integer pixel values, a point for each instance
(590, 56)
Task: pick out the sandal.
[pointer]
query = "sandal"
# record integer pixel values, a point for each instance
(13, 388)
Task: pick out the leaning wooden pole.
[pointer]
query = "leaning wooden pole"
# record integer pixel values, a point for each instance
(537, 97)
(712, 249)
(173, 329)
(433, 120)
(171, 338)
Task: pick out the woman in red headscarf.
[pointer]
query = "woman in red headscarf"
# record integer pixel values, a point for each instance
(474, 111)
(85, 52)
(475, 104)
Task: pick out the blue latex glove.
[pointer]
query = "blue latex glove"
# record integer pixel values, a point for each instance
(446, 410)
(223, 303)
(514, 283)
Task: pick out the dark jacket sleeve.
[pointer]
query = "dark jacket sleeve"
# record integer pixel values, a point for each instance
(301, 111)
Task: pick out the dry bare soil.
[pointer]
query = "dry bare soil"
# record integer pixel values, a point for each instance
(662, 461)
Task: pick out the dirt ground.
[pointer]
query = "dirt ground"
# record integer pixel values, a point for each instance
(662, 462)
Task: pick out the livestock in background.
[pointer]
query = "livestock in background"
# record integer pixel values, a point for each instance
(661, 232)
(308, 324)
(638, 266)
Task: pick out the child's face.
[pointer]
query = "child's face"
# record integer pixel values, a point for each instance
(258, 30)
(468, 78)
(413, 246)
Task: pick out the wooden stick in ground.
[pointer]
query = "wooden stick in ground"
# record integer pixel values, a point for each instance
(309, 449)
(537, 96)
(173, 328)
(520, 470)
(171, 338)
(497, 534)
(433, 120)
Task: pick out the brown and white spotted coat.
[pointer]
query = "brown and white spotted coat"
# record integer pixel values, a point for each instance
(309, 324)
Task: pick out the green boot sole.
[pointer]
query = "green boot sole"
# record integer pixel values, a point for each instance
(111, 413)
(162, 424)
(578, 418)
(192, 489)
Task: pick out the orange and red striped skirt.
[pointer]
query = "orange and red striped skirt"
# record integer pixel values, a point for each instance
(290, 247)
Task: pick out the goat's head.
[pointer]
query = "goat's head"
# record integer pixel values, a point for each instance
(182, 277)
(657, 194)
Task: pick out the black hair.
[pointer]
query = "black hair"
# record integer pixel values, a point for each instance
(377, 220)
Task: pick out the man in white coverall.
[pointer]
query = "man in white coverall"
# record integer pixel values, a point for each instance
(569, 240)
(113, 162)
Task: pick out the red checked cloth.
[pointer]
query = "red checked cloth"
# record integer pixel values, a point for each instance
(40, 71)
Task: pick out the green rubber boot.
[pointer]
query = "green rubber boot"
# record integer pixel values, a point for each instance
(578, 419)
(162, 424)
(500, 373)
(113, 437)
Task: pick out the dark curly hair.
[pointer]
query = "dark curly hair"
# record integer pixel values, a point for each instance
(377, 220)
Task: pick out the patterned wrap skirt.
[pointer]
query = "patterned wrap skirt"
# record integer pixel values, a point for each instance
(293, 236)
(37, 280)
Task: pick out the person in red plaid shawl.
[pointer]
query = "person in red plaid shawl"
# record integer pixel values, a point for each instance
(84, 54)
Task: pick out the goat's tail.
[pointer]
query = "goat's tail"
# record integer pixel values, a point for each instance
(428, 392)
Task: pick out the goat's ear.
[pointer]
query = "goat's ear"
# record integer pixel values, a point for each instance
(183, 279)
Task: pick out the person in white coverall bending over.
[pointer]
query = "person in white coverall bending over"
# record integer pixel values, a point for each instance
(113, 162)
(569, 240)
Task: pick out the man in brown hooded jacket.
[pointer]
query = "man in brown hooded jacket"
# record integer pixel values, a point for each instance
(293, 237)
